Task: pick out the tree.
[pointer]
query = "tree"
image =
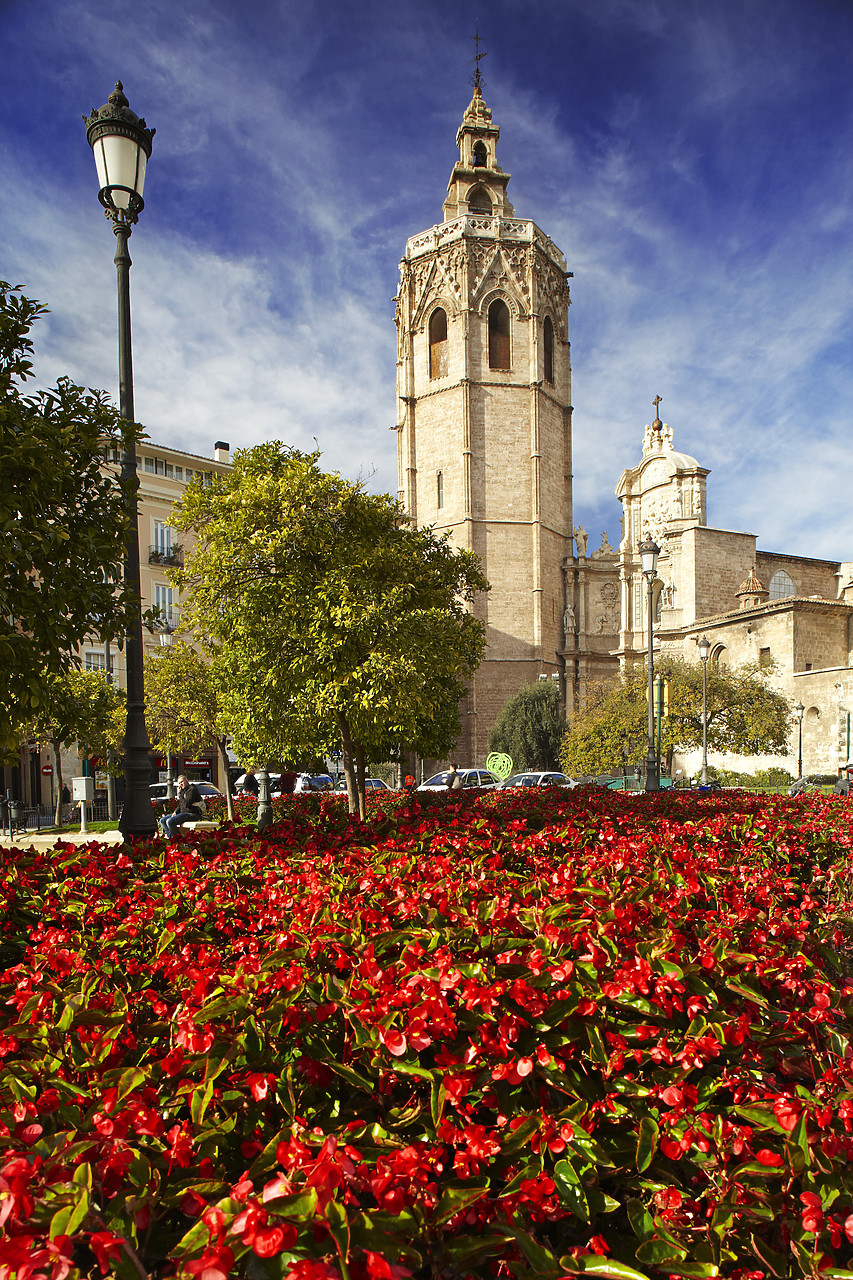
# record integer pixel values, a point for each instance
(745, 716)
(183, 709)
(332, 619)
(63, 517)
(82, 706)
(531, 726)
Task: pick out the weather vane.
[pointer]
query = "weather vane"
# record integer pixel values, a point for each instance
(477, 79)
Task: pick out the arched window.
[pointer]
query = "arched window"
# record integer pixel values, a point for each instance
(438, 343)
(781, 585)
(548, 350)
(657, 599)
(439, 489)
(479, 200)
(719, 656)
(480, 155)
(498, 335)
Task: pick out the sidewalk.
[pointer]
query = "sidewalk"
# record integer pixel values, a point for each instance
(35, 840)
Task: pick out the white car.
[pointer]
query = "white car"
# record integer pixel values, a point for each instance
(370, 784)
(539, 780)
(479, 779)
(159, 789)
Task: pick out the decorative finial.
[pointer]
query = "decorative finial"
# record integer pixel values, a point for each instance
(656, 402)
(477, 79)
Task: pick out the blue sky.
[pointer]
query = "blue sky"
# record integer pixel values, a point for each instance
(693, 160)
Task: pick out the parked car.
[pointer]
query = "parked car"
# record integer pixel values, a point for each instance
(159, 791)
(275, 787)
(538, 780)
(370, 784)
(481, 779)
(313, 782)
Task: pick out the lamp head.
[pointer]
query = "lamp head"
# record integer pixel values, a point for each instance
(704, 648)
(649, 552)
(121, 144)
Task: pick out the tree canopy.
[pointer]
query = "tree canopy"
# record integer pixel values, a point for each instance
(183, 709)
(332, 619)
(63, 516)
(745, 716)
(80, 706)
(531, 726)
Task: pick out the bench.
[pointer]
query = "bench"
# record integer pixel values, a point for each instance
(201, 825)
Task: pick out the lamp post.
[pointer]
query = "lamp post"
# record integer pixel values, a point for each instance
(704, 654)
(649, 552)
(121, 144)
(799, 709)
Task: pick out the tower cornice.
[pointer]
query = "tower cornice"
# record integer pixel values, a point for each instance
(479, 227)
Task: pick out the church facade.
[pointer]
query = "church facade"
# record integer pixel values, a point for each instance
(484, 452)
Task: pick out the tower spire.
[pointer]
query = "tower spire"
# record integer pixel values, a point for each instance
(476, 80)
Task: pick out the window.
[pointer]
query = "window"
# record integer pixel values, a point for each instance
(439, 490)
(548, 350)
(162, 538)
(781, 585)
(159, 466)
(170, 470)
(479, 200)
(764, 658)
(808, 666)
(480, 155)
(149, 464)
(163, 601)
(96, 660)
(179, 473)
(438, 343)
(719, 656)
(499, 335)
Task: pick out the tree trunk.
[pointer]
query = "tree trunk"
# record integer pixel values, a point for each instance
(223, 760)
(348, 763)
(360, 776)
(57, 749)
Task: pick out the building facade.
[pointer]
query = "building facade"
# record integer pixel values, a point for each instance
(164, 473)
(484, 414)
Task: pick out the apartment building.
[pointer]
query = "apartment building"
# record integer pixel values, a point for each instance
(164, 473)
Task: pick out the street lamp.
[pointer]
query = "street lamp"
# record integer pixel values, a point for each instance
(121, 144)
(704, 654)
(649, 552)
(798, 711)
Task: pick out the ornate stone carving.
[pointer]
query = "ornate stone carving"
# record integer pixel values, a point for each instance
(581, 539)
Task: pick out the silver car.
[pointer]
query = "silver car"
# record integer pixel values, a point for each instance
(481, 779)
(538, 780)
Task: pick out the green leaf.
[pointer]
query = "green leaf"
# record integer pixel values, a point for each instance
(775, 1262)
(66, 1220)
(642, 1223)
(454, 1199)
(647, 1142)
(336, 1216)
(540, 1258)
(130, 1080)
(659, 1252)
(571, 1191)
(607, 1268)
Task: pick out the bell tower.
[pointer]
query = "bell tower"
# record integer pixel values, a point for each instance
(484, 415)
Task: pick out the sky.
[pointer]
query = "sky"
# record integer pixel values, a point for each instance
(693, 159)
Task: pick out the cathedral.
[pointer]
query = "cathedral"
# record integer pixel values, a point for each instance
(484, 448)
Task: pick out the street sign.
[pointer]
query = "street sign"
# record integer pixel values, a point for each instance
(47, 770)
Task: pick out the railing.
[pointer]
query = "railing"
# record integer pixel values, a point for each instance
(170, 556)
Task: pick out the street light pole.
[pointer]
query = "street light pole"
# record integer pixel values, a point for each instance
(649, 552)
(121, 144)
(799, 709)
(704, 654)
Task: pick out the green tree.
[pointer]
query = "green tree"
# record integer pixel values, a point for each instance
(82, 707)
(332, 619)
(745, 716)
(183, 709)
(63, 517)
(531, 726)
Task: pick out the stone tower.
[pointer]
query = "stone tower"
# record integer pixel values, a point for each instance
(484, 415)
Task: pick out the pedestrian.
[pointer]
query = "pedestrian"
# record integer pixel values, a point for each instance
(251, 786)
(453, 781)
(190, 807)
(409, 782)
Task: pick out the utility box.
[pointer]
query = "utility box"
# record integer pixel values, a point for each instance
(83, 789)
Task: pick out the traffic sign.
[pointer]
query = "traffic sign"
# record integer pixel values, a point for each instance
(47, 770)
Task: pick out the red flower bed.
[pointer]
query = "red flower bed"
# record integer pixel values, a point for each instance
(509, 1036)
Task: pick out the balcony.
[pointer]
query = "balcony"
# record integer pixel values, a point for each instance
(169, 557)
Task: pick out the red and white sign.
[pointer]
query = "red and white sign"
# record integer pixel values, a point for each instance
(47, 770)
